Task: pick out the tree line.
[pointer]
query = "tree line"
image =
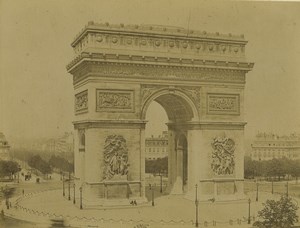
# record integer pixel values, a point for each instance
(275, 168)
(157, 166)
(46, 167)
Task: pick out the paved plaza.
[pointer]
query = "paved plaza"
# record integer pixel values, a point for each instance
(169, 211)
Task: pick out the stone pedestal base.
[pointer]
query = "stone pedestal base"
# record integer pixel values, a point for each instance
(177, 188)
(112, 193)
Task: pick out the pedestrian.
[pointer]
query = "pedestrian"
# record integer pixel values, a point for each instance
(23, 192)
(2, 214)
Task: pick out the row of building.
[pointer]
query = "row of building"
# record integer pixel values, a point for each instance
(265, 146)
(62, 146)
(156, 147)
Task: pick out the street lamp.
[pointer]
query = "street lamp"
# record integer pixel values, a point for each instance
(80, 190)
(152, 191)
(197, 204)
(249, 219)
(63, 181)
(272, 186)
(256, 191)
(69, 198)
(74, 194)
(161, 183)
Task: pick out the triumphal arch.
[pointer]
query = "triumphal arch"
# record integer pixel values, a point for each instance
(197, 77)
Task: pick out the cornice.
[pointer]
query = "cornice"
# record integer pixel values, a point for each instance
(126, 124)
(209, 125)
(97, 58)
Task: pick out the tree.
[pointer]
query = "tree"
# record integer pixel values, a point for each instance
(295, 169)
(7, 192)
(159, 165)
(8, 168)
(38, 163)
(278, 214)
(61, 163)
(249, 168)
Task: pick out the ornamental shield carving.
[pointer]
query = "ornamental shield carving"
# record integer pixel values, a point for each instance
(115, 157)
(223, 156)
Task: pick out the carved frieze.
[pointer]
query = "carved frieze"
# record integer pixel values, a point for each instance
(223, 104)
(166, 72)
(223, 156)
(115, 100)
(81, 102)
(115, 157)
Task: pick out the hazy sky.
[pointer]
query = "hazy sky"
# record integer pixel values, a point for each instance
(37, 92)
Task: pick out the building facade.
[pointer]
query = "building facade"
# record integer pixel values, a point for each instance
(267, 146)
(4, 148)
(156, 147)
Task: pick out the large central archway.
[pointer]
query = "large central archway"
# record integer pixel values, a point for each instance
(180, 110)
(198, 79)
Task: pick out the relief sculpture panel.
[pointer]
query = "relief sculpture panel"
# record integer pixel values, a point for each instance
(223, 156)
(81, 102)
(115, 100)
(223, 104)
(115, 158)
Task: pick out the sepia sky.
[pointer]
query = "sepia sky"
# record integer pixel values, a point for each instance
(36, 90)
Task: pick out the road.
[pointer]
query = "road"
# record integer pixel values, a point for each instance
(28, 187)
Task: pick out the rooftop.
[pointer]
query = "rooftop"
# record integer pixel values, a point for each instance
(156, 30)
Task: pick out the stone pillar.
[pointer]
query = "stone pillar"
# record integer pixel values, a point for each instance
(171, 159)
(178, 185)
(142, 162)
(194, 166)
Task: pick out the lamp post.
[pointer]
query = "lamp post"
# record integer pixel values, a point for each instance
(69, 198)
(196, 203)
(80, 190)
(256, 191)
(152, 191)
(161, 183)
(74, 194)
(249, 219)
(63, 181)
(272, 186)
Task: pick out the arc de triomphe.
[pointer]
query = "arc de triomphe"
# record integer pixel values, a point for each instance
(197, 77)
